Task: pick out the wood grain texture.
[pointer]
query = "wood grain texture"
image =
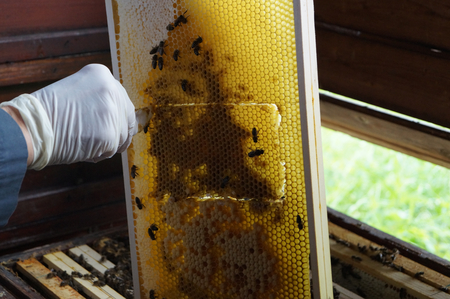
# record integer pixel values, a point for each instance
(48, 69)
(28, 16)
(394, 78)
(416, 21)
(410, 138)
(53, 44)
(359, 229)
(17, 286)
(66, 225)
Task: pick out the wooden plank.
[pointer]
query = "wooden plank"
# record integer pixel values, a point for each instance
(51, 44)
(48, 69)
(344, 293)
(88, 251)
(419, 21)
(412, 252)
(308, 91)
(17, 286)
(68, 225)
(392, 77)
(404, 138)
(49, 16)
(4, 294)
(91, 259)
(405, 279)
(55, 201)
(60, 261)
(72, 174)
(37, 273)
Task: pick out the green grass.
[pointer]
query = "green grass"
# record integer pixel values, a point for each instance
(396, 193)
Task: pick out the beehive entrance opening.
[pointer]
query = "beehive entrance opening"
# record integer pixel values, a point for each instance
(208, 151)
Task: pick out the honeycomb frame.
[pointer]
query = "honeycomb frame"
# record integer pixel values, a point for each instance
(218, 201)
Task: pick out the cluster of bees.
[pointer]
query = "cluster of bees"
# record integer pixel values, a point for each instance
(153, 228)
(159, 49)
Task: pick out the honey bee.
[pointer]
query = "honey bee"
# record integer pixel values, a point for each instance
(151, 231)
(420, 273)
(152, 294)
(154, 50)
(176, 54)
(160, 63)
(225, 182)
(99, 283)
(197, 42)
(255, 135)
(170, 27)
(50, 275)
(139, 203)
(255, 153)
(134, 172)
(102, 259)
(161, 48)
(154, 61)
(64, 283)
(184, 84)
(196, 50)
(356, 258)
(181, 19)
(76, 274)
(299, 222)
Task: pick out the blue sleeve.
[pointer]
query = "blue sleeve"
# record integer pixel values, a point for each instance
(13, 164)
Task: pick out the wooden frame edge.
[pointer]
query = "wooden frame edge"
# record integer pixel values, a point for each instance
(312, 145)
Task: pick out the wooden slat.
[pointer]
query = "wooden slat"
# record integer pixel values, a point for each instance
(68, 225)
(60, 261)
(412, 252)
(419, 21)
(37, 273)
(31, 16)
(308, 90)
(67, 175)
(405, 137)
(17, 286)
(384, 75)
(94, 255)
(4, 294)
(50, 203)
(50, 44)
(344, 293)
(48, 69)
(424, 287)
(91, 258)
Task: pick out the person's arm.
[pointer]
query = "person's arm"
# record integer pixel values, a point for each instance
(13, 164)
(14, 113)
(87, 116)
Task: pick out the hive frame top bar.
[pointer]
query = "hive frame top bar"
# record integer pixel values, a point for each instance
(311, 140)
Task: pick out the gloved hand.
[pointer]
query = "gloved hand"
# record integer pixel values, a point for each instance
(84, 117)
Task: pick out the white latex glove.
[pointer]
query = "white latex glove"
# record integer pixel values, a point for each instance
(84, 117)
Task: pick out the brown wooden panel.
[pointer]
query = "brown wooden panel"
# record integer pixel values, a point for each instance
(58, 200)
(40, 232)
(29, 16)
(71, 175)
(408, 250)
(17, 286)
(420, 141)
(48, 69)
(50, 44)
(391, 77)
(419, 21)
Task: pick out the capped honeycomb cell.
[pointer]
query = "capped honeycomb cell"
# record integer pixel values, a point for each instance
(222, 208)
